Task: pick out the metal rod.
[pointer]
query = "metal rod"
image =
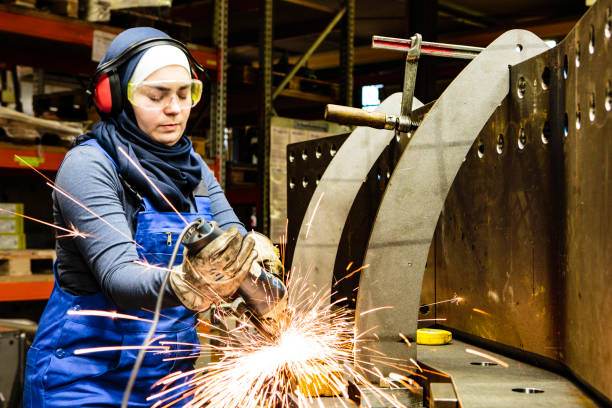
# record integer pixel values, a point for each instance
(308, 53)
(427, 48)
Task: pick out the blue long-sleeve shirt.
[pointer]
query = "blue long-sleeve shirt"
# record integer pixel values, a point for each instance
(105, 260)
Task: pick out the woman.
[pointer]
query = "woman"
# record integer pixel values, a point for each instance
(144, 90)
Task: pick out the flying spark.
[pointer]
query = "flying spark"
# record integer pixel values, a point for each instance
(481, 311)
(487, 356)
(141, 171)
(314, 212)
(71, 232)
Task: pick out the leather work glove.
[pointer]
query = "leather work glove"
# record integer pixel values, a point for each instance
(268, 255)
(215, 273)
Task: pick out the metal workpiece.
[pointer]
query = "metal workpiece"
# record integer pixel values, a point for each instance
(524, 235)
(407, 217)
(491, 385)
(324, 220)
(427, 47)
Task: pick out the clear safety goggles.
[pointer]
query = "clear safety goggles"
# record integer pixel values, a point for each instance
(156, 95)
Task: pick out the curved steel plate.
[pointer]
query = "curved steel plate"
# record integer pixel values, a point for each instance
(324, 220)
(411, 206)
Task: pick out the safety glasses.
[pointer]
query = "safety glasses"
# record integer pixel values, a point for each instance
(157, 95)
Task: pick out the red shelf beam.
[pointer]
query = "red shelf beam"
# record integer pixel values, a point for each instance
(54, 28)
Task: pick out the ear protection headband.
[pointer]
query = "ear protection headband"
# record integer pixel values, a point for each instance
(105, 85)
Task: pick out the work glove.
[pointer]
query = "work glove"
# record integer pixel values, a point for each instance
(215, 273)
(268, 255)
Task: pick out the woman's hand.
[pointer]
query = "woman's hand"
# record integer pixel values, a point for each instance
(215, 273)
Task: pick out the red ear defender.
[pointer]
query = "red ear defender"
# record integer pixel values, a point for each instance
(102, 94)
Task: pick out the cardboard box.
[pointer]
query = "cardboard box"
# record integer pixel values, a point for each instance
(12, 241)
(11, 225)
(12, 207)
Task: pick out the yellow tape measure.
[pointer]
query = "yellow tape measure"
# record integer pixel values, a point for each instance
(433, 336)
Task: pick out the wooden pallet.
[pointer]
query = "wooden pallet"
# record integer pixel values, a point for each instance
(18, 262)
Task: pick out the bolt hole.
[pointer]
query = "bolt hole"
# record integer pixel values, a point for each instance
(592, 41)
(519, 47)
(577, 55)
(388, 174)
(565, 125)
(291, 157)
(304, 154)
(546, 78)
(483, 363)
(480, 149)
(378, 174)
(546, 132)
(521, 87)
(333, 150)
(528, 390)
(499, 145)
(11, 342)
(522, 139)
(578, 118)
(592, 108)
(608, 27)
(608, 102)
(318, 152)
(291, 183)
(565, 64)
(318, 179)
(305, 182)
(424, 309)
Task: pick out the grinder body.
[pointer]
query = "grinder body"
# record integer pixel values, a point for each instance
(264, 294)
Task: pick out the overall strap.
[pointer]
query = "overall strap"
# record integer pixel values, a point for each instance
(94, 143)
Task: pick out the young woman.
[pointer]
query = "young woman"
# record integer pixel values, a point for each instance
(144, 89)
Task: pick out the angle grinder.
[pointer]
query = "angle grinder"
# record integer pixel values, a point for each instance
(265, 295)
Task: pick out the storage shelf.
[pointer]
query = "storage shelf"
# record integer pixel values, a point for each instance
(37, 24)
(19, 288)
(38, 156)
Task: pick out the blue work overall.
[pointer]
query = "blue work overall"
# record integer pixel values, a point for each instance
(57, 377)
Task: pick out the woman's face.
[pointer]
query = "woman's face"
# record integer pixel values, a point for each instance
(166, 124)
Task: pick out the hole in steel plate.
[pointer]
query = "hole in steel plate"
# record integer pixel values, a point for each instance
(528, 390)
(304, 154)
(519, 47)
(291, 183)
(608, 102)
(546, 78)
(318, 152)
(483, 363)
(521, 87)
(565, 124)
(578, 118)
(565, 67)
(305, 182)
(318, 179)
(522, 139)
(592, 107)
(378, 174)
(608, 26)
(424, 309)
(499, 144)
(291, 157)
(332, 150)
(480, 149)
(546, 132)
(577, 55)
(592, 41)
